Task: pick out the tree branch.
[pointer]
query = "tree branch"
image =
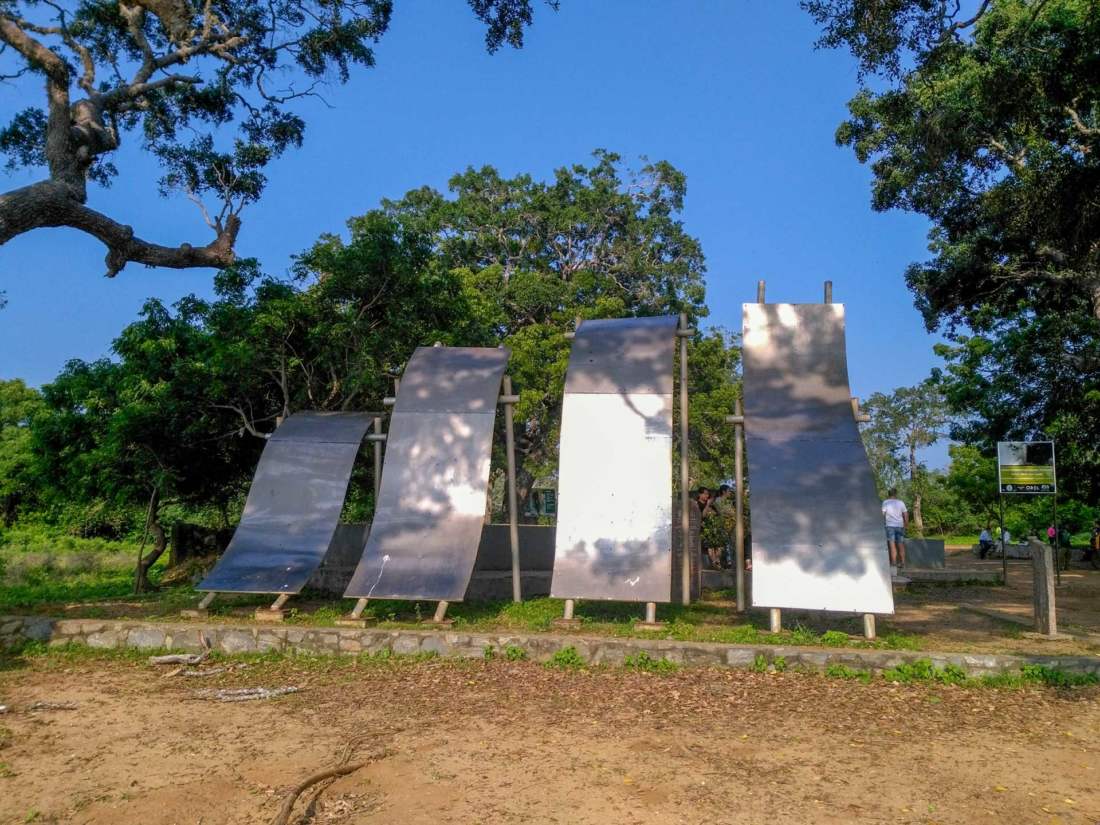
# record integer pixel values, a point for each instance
(1080, 125)
(50, 203)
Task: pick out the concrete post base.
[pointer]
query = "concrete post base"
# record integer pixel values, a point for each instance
(265, 614)
(350, 622)
(650, 625)
(195, 613)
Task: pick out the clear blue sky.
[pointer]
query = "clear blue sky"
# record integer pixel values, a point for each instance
(730, 91)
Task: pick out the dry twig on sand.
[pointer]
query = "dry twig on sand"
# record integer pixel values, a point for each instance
(342, 768)
(183, 658)
(243, 694)
(52, 706)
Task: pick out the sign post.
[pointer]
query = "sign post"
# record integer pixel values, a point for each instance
(1027, 468)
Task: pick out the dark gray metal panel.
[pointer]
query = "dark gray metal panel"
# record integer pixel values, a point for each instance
(623, 355)
(452, 379)
(818, 540)
(323, 427)
(431, 505)
(293, 506)
(614, 532)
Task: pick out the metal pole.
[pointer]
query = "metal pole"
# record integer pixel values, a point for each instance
(828, 292)
(513, 509)
(739, 509)
(1004, 547)
(1057, 545)
(377, 460)
(685, 500)
(760, 292)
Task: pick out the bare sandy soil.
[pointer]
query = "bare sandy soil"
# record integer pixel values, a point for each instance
(514, 742)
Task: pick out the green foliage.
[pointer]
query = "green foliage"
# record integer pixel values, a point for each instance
(760, 663)
(837, 671)
(922, 670)
(644, 662)
(834, 638)
(215, 127)
(514, 653)
(567, 658)
(779, 663)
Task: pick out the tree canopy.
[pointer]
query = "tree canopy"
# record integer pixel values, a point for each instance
(987, 121)
(208, 88)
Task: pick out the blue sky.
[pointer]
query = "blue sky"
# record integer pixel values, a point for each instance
(730, 91)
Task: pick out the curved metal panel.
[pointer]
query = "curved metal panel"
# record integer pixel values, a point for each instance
(431, 506)
(818, 541)
(293, 505)
(614, 532)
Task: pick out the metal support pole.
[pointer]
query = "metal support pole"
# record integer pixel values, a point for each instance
(739, 504)
(685, 499)
(377, 460)
(568, 613)
(869, 626)
(440, 612)
(1057, 545)
(206, 600)
(1004, 547)
(360, 606)
(828, 292)
(775, 620)
(760, 292)
(651, 612)
(513, 508)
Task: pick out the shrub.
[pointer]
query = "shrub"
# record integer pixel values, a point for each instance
(834, 638)
(514, 653)
(643, 661)
(567, 659)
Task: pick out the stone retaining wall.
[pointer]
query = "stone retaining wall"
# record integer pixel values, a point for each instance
(234, 639)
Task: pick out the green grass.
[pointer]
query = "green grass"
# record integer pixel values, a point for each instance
(923, 671)
(845, 672)
(644, 662)
(566, 658)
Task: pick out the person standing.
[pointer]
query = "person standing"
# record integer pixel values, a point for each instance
(897, 519)
(985, 543)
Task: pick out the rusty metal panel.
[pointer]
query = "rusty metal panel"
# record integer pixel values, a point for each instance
(614, 532)
(452, 379)
(431, 505)
(818, 541)
(293, 505)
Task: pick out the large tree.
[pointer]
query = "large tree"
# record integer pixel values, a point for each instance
(984, 117)
(19, 404)
(903, 423)
(208, 87)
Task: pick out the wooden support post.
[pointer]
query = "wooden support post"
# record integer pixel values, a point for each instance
(650, 622)
(869, 626)
(440, 617)
(273, 613)
(1042, 563)
(377, 445)
(685, 498)
(776, 620)
(739, 504)
(513, 506)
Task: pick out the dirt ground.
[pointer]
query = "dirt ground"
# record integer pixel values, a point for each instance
(515, 742)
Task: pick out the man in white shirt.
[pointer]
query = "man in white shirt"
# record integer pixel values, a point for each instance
(897, 519)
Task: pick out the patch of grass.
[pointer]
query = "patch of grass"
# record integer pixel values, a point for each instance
(760, 663)
(779, 663)
(514, 653)
(5, 771)
(1056, 677)
(566, 659)
(844, 672)
(922, 670)
(834, 638)
(899, 641)
(644, 662)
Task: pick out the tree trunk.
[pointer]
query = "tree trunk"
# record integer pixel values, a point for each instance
(10, 501)
(160, 544)
(918, 517)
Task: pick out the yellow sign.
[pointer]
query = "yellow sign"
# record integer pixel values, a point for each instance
(1026, 467)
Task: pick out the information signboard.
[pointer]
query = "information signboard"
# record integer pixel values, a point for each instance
(1026, 467)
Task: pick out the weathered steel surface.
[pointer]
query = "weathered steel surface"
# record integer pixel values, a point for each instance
(614, 536)
(293, 505)
(427, 525)
(818, 540)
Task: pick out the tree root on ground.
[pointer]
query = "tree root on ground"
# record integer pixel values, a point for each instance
(342, 768)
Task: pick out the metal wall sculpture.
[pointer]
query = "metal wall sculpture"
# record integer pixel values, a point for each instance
(614, 533)
(293, 505)
(817, 528)
(431, 506)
